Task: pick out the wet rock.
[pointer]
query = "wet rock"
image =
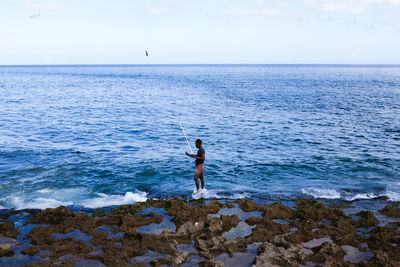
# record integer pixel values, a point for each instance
(278, 211)
(32, 250)
(207, 233)
(253, 221)
(328, 253)
(213, 207)
(110, 220)
(383, 238)
(6, 243)
(186, 230)
(238, 245)
(381, 198)
(6, 253)
(40, 235)
(7, 229)
(228, 222)
(211, 263)
(266, 231)
(52, 216)
(340, 206)
(98, 213)
(248, 205)
(180, 258)
(130, 222)
(367, 219)
(279, 252)
(343, 233)
(383, 259)
(391, 210)
(307, 209)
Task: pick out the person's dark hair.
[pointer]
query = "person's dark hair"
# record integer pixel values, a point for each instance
(199, 141)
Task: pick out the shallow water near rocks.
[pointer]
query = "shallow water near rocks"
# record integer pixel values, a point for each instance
(148, 257)
(316, 242)
(240, 259)
(157, 228)
(354, 255)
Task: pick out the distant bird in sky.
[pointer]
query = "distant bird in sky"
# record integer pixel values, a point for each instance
(147, 53)
(35, 16)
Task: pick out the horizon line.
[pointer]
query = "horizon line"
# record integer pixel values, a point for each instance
(207, 64)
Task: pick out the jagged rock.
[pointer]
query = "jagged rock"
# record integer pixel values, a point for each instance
(279, 252)
(180, 258)
(211, 263)
(52, 216)
(186, 230)
(328, 253)
(367, 219)
(6, 253)
(391, 211)
(248, 205)
(7, 243)
(228, 222)
(7, 229)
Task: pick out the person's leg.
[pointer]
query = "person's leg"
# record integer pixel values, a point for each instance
(202, 176)
(196, 177)
(202, 180)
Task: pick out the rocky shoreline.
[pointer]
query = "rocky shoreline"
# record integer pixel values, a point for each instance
(204, 233)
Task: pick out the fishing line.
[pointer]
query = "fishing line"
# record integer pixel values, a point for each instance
(183, 130)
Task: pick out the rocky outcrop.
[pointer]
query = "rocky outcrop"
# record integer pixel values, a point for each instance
(279, 252)
(114, 237)
(391, 210)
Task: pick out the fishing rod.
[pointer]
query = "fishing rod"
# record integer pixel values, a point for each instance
(183, 130)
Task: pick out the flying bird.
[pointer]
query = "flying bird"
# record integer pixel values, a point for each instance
(35, 16)
(147, 53)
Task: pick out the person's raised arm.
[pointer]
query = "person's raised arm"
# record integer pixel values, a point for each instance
(203, 157)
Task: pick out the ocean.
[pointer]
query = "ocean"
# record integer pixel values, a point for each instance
(92, 136)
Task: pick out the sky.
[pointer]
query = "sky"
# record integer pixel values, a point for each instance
(199, 32)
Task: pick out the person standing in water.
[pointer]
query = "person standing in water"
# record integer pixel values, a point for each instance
(199, 170)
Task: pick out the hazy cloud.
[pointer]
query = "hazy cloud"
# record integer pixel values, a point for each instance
(43, 4)
(349, 6)
(256, 7)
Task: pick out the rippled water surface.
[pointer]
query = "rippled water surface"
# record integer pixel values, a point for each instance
(269, 132)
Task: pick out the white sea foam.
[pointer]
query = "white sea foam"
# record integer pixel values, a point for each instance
(204, 193)
(362, 196)
(393, 196)
(18, 202)
(321, 193)
(105, 200)
(45, 191)
(52, 198)
(212, 194)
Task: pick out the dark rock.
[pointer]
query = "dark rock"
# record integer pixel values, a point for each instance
(7, 229)
(248, 205)
(228, 222)
(6, 253)
(253, 221)
(52, 216)
(313, 210)
(391, 210)
(211, 263)
(367, 219)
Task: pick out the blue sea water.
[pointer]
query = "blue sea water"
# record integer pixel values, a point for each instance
(274, 132)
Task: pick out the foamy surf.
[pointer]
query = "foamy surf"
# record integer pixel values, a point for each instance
(393, 196)
(321, 193)
(213, 194)
(105, 200)
(50, 198)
